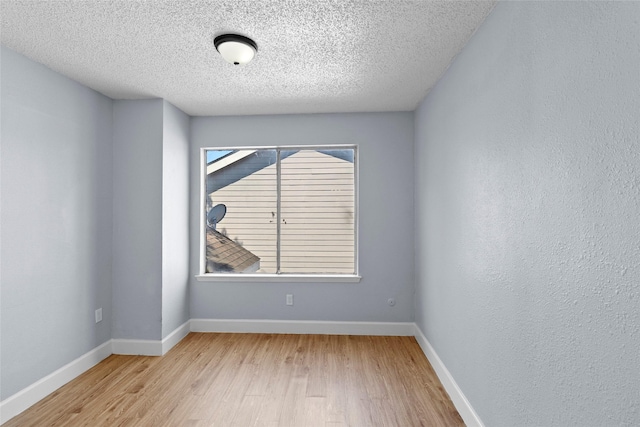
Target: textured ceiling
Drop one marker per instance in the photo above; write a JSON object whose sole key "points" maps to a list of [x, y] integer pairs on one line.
{"points": [[313, 56]]}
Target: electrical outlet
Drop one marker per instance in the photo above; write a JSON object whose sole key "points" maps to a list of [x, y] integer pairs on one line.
{"points": [[289, 299], [99, 315]]}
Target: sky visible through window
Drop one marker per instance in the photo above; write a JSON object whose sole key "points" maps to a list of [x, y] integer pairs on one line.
{"points": [[213, 155]]}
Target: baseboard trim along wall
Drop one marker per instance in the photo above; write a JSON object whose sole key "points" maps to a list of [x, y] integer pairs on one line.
{"points": [[27, 397], [137, 347], [466, 411], [176, 336], [14, 405], [302, 327], [37, 391], [150, 347]]}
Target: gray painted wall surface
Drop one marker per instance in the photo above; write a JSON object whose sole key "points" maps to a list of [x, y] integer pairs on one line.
{"points": [[175, 218], [386, 219], [137, 219], [56, 221], [528, 215]]}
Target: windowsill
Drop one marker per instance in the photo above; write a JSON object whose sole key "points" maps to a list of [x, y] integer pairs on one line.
{"points": [[300, 278]]}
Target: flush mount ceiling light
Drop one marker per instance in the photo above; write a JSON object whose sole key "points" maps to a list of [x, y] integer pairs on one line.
{"points": [[235, 49]]}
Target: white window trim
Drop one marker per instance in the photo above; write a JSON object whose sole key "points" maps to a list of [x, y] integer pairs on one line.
{"points": [[279, 277]]}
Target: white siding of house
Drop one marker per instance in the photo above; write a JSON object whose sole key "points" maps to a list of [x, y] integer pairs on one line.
{"points": [[317, 200], [317, 214]]}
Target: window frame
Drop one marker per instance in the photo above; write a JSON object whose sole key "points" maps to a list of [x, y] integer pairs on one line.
{"points": [[203, 276]]}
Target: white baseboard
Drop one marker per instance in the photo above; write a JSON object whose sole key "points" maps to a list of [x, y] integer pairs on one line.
{"points": [[26, 397], [29, 396], [137, 347], [303, 327], [466, 411], [176, 336], [151, 347]]}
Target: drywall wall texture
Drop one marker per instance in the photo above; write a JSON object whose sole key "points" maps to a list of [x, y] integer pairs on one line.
{"points": [[56, 220], [175, 218], [528, 215], [385, 149], [137, 219]]}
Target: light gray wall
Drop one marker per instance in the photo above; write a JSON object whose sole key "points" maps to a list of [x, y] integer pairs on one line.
{"points": [[385, 143], [150, 219], [175, 219], [56, 220], [528, 215], [137, 219]]}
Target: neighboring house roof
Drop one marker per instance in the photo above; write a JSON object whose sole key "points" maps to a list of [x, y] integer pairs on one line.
{"points": [[226, 256], [228, 160]]}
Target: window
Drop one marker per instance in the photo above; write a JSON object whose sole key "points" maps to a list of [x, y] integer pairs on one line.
{"points": [[279, 211]]}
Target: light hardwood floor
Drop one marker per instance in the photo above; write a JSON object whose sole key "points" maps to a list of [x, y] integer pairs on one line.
{"points": [[256, 380]]}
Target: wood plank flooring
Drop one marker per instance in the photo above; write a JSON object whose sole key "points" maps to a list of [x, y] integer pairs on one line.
{"points": [[256, 380]]}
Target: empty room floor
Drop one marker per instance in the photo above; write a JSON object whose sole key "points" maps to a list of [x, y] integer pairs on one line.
{"points": [[212, 379]]}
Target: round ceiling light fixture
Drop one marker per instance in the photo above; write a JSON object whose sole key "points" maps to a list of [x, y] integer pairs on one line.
{"points": [[235, 49]]}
